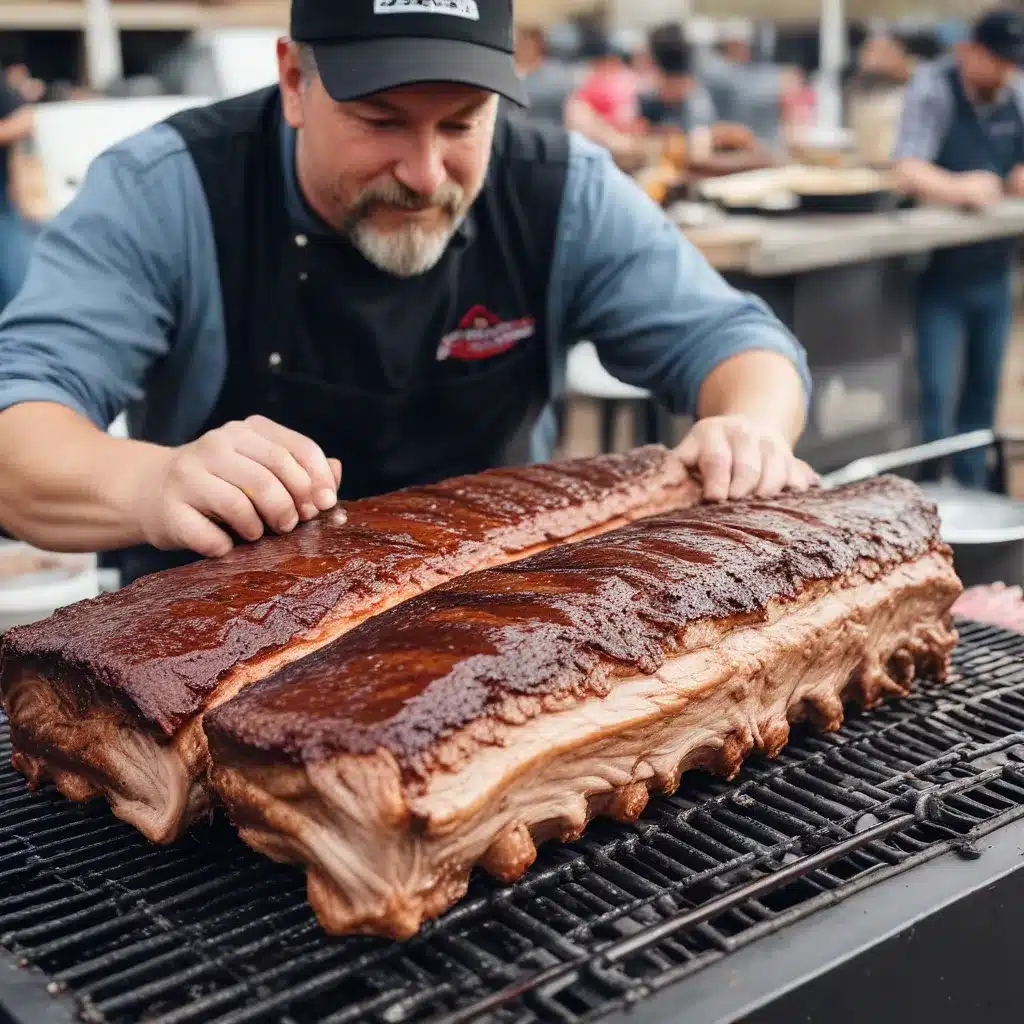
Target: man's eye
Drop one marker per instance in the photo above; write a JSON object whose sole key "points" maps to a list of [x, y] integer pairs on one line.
{"points": [[383, 123], [456, 127]]}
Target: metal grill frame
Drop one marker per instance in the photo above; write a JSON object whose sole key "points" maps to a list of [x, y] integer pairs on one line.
{"points": [[22, 993]]}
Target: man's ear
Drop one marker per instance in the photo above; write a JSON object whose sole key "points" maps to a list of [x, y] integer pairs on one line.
{"points": [[291, 80]]}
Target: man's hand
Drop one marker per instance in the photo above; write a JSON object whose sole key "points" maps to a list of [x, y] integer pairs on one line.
{"points": [[1015, 186], [737, 458], [979, 189], [245, 475]]}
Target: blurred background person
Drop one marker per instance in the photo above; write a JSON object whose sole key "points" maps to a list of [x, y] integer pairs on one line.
{"points": [[610, 89], [748, 91], [876, 91], [606, 106], [16, 125], [961, 142], [678, 101], [548, 82], [642, 64], [875, 94], [31, 89]]}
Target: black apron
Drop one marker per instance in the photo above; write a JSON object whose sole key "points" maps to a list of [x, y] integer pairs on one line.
{"points": [[407, 381], [993, 142]]}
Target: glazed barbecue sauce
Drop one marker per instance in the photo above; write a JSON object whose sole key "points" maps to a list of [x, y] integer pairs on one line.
{"points": [[560, 623], [165, 641]]}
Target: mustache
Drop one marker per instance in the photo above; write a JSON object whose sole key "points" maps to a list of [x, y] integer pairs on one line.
{"points": [[448, 198]]}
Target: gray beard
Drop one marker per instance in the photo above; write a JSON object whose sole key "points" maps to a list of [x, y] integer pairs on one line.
{"points": [[408, 252]]}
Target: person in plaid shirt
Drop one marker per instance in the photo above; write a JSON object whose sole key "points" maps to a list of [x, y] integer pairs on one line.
{"points": [[961, 142]]}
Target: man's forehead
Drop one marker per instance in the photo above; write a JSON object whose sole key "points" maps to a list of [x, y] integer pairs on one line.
{"points": [[430, 99]]}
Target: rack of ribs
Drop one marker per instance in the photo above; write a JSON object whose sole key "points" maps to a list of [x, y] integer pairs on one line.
{"points": [[106, 697], [512, 705]]}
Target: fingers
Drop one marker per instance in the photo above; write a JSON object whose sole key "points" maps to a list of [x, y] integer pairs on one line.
{"points": [[228, 504], [243, 477], [775, 470], [747, 464], [715, 463], [258, 488], [192, 531], [194, 482], [282, 464], [736, 459], [802, 477], [308, 454], [689, 450]]}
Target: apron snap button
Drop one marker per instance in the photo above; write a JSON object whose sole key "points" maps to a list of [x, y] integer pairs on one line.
{"points": [[301, 241], [303, 276], [275, 360]]}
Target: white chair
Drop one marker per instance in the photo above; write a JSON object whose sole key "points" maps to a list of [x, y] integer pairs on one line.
{"points": [[586, 377], [69, 136]]}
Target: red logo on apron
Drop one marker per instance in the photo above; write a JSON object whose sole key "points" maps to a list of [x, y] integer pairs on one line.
{"points": [[481, 335]]}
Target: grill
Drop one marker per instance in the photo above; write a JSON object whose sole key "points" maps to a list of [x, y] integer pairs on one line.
{"points": [[123, 932]]}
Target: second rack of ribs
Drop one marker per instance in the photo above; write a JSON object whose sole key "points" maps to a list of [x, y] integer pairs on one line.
{"points": [[512, 705]]}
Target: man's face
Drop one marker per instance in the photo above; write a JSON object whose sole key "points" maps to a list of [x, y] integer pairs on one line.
{"points": [[983, 71], [738, 51], [529, 48], [395, 173]]}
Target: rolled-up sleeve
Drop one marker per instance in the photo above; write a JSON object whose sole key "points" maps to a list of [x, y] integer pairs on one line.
{"points": [[99, 305], [924, 122], [628, 280]]}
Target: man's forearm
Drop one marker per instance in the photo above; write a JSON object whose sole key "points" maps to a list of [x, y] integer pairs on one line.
{"points": [[702, 143], [64, 483], [763, 386], [17, 126], [928, 182]]}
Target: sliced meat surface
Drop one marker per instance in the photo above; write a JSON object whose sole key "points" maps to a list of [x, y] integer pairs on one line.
{"points": [[512, 705], [106, 696]]}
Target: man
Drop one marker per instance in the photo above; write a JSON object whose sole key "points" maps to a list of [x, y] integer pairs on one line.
{"points": [[362, 264], [961, 142], [16, 125], [747, 91], [605, 108], [610, 89], [548, 82], [875, 94], [678, 102]]}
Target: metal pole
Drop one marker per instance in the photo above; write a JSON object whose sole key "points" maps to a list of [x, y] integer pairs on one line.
{"points": [[833, 58], [102, 45]]}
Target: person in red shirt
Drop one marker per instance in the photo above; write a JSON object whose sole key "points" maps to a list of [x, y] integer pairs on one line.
{"points": [[611, 89], [606, 106]]}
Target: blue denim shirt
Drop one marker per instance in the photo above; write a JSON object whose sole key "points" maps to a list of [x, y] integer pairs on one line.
{"points": [[122, 307]]}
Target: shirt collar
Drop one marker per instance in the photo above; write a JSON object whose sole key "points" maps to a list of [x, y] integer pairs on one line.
{"points": [[306, 220]]}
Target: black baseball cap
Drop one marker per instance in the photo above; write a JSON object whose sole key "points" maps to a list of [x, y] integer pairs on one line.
{"points": [[364, 47], [1001, 32]]}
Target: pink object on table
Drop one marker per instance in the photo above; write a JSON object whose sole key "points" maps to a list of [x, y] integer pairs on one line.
{"points": [[614, 96], [995, 605]]}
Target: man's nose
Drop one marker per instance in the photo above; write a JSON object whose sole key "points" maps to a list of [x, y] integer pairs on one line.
{"points": [[422, 167]]}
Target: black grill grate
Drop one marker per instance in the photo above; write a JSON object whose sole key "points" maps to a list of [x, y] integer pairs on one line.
{"points": [[209, 932]]}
